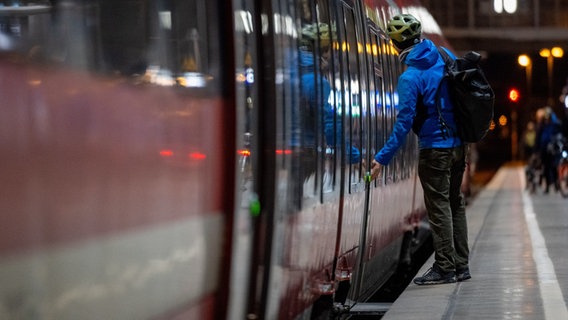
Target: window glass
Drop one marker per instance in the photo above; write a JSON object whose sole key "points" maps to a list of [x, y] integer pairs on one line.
{"points": [[377, 94], [350, 88], [307, 113], [389, 61], [165, 43]]}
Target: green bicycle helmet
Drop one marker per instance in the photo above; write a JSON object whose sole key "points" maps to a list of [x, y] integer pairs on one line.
{"points": [[404, 30], [317, 32]]}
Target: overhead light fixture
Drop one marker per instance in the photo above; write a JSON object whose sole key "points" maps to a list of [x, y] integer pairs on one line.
{"points": [[510, 6]]}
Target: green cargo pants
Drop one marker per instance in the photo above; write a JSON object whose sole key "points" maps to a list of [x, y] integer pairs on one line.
{"points": [[441, 172]]}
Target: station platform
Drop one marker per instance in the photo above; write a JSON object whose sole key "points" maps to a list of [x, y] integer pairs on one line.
{"points": [[518, 259]]}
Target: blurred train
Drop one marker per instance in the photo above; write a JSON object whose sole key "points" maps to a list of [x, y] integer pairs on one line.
{"points": [[158, 160]]}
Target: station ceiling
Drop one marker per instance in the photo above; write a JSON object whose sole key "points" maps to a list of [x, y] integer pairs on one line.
{"points": [[477, 24], [506, 40]]}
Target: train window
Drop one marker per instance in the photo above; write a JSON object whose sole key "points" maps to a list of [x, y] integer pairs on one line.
{"points": [[386, 101], [246, 108], [350, 88], [398, 159], [376, 90], [332, 120], [313, 116], [166, 43], [389, 99]]}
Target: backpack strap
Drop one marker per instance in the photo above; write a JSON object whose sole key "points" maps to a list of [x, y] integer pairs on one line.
{"points": [[445, 55], [447, 60]]}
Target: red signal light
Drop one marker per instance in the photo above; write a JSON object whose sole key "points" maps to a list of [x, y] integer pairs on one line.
{"points": [[514, 95]]}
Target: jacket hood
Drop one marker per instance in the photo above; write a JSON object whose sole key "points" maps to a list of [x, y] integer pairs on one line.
{"points": [[423, 55]]}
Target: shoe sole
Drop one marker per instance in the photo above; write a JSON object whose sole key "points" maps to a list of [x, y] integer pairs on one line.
{"points": [[464, 278], [434, 282]]}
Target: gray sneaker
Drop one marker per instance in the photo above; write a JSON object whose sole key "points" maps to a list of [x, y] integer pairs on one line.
{"points": [[463, 274], [435, 275]]}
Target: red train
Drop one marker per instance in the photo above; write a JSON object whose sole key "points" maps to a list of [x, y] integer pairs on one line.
{"points": [[159, 160]]}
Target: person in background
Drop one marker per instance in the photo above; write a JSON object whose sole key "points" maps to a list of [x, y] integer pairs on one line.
{"points": [[442, 153], [529, 140], [531, 156], [549, 128]]}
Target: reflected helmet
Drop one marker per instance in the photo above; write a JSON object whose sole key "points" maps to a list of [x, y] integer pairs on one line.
{"points": [[404, 30], [312, 32]]}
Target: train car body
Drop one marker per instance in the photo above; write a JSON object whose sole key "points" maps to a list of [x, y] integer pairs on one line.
{"points": [[193, 160]]}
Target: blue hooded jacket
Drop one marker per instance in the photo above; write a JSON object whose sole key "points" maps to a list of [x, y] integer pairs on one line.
{"points": [[420, 81], [547, 131]]}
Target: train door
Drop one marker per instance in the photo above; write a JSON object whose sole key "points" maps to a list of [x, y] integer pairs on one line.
{"points": [[266, 107], [301, 157], [353, 101], [298, 168]]}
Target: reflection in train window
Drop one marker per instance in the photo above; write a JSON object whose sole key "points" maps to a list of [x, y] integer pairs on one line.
{"points": [[164, 42], [350, 89], [390, 101], [377, 94], [312, 117], [389, 67]]}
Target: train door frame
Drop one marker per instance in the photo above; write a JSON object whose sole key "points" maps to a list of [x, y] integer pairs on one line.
{"points": [[266, 162], [246, 193]]}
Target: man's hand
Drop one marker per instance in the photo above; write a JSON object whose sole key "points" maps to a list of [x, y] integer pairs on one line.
{"points": [[375, 169]]}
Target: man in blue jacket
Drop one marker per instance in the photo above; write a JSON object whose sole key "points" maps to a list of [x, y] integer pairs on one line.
{"points": [[442, 153]]}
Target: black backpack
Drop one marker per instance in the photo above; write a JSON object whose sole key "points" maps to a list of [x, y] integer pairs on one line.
{"points": [[471, 94]]}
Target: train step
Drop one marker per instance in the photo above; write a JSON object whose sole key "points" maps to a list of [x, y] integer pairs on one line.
{"points": [[370, 308]]}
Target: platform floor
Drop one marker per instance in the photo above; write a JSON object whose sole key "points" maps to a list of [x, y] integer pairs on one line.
{"points": [[518, 260]]}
